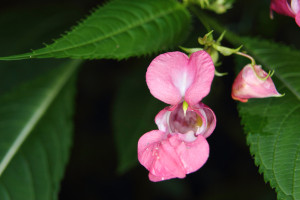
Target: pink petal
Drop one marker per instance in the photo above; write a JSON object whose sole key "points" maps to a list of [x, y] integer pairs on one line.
{"points": [[144, 151], [167, 163], [201, 65], [248, 84], [158, 156], [164, 76], [297, 18], [163, 122], [282, 7], [161, 119], [154, 178], [194, 154], [208, 117], [171, 157]]}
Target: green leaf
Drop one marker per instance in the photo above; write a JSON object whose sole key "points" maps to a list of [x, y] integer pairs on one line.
{"points": [[272, 124], [120, 29], [133, 115], [273, 135], [36, 106], [35, 130]]}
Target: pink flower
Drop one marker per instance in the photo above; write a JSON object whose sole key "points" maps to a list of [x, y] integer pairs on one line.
{"points": [[179, 147], [253, 82], [287, 7]]}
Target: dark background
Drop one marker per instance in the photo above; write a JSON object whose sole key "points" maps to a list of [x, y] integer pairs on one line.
{"points": [[91, 174]]}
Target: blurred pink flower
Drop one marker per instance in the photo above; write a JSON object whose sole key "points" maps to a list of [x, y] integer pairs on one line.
{"points": [[287, 7], [253, 82], [179, 147]]}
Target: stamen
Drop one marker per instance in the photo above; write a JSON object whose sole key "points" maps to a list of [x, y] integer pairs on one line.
{"points": [[185, 106], [199, 121]]}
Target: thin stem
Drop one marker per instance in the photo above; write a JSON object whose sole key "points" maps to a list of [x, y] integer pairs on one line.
{"points": [[246, 56]]}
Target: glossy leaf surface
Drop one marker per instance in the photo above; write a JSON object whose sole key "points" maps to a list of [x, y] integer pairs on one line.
{"points": [[120, 29]]}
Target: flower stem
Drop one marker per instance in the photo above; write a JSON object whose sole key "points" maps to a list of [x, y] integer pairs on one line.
{"points": [[246, 56]]}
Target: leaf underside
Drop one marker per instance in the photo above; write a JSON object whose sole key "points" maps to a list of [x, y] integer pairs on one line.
{"points": [[34, 107], [120, 29], [35, 131]]}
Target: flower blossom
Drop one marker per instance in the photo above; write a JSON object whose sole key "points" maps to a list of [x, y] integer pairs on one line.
{"points": [[287, 7], [179, 146], [253, 82]]}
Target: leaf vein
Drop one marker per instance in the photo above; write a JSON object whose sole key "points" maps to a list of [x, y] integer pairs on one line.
{"points": [[122, 30], [30, 174], [294, 172], [36, 116], [276, 146], [7, 191]]}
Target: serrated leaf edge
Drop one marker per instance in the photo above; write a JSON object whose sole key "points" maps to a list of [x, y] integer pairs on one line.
{"points": [[119, 31]]}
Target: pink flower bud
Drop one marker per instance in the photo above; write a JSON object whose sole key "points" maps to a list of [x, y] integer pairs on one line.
{"points": [[253, 82], [287, 7]]}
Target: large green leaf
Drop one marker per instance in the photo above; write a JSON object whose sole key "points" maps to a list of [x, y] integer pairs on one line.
{"points": [[133, 115], [36, 106], [35, 131], [272, 124], [120, 29]]}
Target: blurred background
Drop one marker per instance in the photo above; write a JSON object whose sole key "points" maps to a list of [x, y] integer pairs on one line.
{"points": [[114, 108]]}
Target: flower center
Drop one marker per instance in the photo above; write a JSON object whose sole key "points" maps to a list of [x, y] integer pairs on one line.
{"points": [[180, 123]]}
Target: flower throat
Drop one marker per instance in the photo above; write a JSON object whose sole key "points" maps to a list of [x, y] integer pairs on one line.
{"points": [[183, 123]]}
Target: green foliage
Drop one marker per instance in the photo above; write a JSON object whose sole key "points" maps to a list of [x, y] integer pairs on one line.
{"points": [[273, 124], [273, 135], [133, 115], [120, 29], [35, 131], [36, 109], [36, 97]]}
